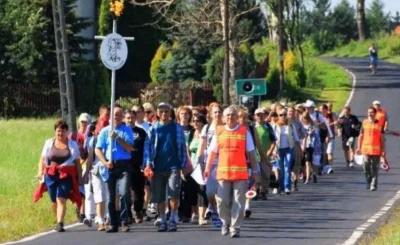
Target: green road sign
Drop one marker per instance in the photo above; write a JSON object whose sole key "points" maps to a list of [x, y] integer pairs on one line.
{"points": [[251, 86]]}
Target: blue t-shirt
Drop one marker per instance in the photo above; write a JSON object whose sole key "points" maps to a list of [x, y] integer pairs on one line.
{"points": [[104, 142], [167, 152]]}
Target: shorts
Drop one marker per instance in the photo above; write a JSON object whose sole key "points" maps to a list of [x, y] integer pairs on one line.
{"points": [[330, 148], [165, 183], [212, 183], [308, 154], [275, 164], [57, 188], [347, 143], [99, 188]]}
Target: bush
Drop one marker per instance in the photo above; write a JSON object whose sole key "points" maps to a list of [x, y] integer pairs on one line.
{"points": [[159, 56]]}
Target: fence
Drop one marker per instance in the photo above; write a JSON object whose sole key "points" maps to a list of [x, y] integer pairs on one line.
{"points": [[17, 100]]}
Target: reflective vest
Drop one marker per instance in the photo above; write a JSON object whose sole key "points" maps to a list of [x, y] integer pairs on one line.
{"points": [[372, 133], [381, 117], [232, 163]]}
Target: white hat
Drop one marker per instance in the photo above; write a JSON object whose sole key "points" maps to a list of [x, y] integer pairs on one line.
{"points": [[84, 117], [259, 111], [309, 103], [163, 104], [376, 102]]}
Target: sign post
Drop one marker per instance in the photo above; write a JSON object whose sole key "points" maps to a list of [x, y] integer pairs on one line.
{"points": [[113, 53], [251, 87]]}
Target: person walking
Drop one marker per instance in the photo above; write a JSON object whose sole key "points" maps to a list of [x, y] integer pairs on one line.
{"points": [[60, 172], [232, 141], [165, 156], [118, 168], [371, 145], [381, 115]]}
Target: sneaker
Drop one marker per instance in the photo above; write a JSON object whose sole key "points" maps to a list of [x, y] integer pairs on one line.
{"points": [[162, 227], [172, 226], [373, 188], [275, 191], [263, 196], [111, 229], [351, 165], [157, 222], [235, 234], [195, 219], [87, 222], [287, 191], [208, 214], [125, 228], [146, 217], [81, 218], [247, 213], [203, 221], [216, 221], [330, 170], [60, 227], [101, 227], [225, 230], [153, 209], [185, 220]]}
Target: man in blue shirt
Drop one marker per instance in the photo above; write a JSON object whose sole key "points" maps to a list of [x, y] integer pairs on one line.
{"points": [[122, 138], [165, 152]]}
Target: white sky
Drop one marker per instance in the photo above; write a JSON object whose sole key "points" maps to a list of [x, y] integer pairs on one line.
{"points": [[390, 5]]}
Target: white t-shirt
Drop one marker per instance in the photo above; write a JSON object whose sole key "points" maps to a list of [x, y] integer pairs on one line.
{"points": [[145, 125], [321, 119], [284, 143], [249, 140], [208, 136]]}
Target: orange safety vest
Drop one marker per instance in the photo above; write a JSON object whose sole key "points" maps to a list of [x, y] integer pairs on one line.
{"points": [[232, 163], [372, 133], [381, 117]]}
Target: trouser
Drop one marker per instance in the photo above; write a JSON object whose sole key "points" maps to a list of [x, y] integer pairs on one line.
{"points": [[137, 181], [231, 201], [371, 168], [297, 159], [119, 177], [265, 175], [285, 164], [90, 209], [188, 197]]}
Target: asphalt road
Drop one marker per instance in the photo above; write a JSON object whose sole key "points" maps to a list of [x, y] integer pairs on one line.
{"points": [[319, 214]]}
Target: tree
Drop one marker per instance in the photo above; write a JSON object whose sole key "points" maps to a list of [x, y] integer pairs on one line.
{"points": [[377, 20], [396, 18], [361, 20], [343, 20]]}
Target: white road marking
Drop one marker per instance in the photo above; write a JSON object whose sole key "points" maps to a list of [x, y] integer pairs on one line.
{"points": [[353, 87], [33, 237]]}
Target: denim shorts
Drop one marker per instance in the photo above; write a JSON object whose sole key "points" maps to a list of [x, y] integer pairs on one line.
{"points": [[58, 188]]}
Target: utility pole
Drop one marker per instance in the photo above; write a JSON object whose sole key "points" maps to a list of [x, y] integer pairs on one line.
{"points": [[226, 74], [281, 57], [67, 100]]}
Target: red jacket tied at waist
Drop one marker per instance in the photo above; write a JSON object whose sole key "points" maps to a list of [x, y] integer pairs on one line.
{"points": [[64, 172]]}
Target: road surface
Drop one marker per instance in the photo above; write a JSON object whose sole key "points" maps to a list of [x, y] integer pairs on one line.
{"points": [[326, 213]]}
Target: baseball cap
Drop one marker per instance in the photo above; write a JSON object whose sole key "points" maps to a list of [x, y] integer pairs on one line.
{"points": [[163, 105], [259, 111], [84, 117], [309, 103], [376, 102]]}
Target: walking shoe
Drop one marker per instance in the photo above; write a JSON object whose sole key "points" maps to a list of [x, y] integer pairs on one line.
{"points": [[315, 178], [125, 227], [88, 222], [287, 191], [172, 226], [153, 209], [208, 214], [138, 218], [157, 222], [203, 221], [373, 188], [60, 227], [247, 213], [101, 227], [162, 227], [263, 196], [185, 220], [81, 218], [112, 229], [351, 165], [235, 234], [216, 221], [195, 219], [225, 230], [275, 191]]}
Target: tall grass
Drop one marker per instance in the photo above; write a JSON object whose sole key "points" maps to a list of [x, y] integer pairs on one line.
{"points": [[21, 144], [388, 48]]}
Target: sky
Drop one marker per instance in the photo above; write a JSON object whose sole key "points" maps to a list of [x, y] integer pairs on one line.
{"points": [[390, 5]]}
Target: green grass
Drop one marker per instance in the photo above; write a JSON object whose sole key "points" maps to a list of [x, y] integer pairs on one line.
{"points": [[388, 234], [21, 144], [388, 48]]}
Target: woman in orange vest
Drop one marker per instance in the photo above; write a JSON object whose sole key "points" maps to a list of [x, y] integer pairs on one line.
{"points": [[371, 145], [231, 142]]}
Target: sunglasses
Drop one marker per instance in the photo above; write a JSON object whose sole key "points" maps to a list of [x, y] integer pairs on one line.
{"points": [[282, 115]]}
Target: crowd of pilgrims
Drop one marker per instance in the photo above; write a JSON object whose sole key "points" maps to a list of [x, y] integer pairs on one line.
{"points": [[294, 144]]}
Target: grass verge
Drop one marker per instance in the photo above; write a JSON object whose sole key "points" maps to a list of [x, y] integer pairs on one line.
{"points": [[388, 234], [388, 49], [21, 144]]}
